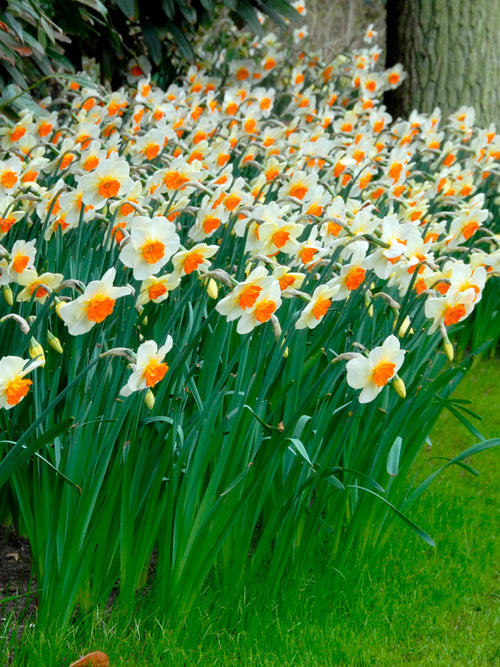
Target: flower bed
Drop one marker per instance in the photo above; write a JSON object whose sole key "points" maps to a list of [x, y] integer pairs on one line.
{"points": [[188, 274]]}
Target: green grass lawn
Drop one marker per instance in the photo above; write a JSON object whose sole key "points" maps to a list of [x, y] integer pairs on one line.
{"points": [[414, 604]]}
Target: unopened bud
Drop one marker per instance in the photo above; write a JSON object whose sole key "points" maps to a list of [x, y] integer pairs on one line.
{"points": [[448, 348], [149, 399], [54, 342], [212, 289], [285, 353], [8, 295], [405, 325], [399, 386], [36, 351], [276, 326], [370, 310]]}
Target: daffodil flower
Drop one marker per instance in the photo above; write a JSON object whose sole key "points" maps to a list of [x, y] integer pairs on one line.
{"points": [[94, 305], [149, 369], [372, 373], [13, 385]]}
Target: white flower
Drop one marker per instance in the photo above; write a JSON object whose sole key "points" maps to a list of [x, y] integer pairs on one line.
{"points": [[152, 243], [94, 305], [372, 373], [149, 367], [13, 386]]}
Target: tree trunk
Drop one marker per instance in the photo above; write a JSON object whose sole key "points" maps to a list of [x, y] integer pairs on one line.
{"points": [[450, 50]]}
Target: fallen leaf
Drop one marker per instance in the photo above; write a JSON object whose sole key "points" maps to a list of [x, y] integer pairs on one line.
{"points": [[94, 659]]}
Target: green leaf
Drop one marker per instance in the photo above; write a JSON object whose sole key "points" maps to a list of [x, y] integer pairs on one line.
{"points": [[188, 12], [59, 473], [247, 13], [393, 457], [182, 42], [208, 5], [130, 8], [300, 449], [153, 43], [421, 533], [99, 7], [169, 8]]}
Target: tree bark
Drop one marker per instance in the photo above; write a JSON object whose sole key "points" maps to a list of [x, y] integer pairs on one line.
{"points": [[450, 50]]}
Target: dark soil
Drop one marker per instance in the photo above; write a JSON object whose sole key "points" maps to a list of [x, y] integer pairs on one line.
{"points": [[17, 585]]}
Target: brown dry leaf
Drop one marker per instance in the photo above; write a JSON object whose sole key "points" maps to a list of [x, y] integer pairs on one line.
{"points": [[94, 659]]}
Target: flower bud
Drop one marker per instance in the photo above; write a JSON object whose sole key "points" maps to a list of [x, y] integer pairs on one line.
{"points": [[399, 386], [54, 342], [448, 348], [8, 295], [212, 289], [36, 351], [149, 399], [405, 325]]}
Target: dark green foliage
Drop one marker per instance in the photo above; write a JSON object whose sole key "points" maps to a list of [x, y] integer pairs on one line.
{"points": [[39, 38]]}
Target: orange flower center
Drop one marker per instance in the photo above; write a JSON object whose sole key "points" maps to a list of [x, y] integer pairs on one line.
{"points": [[469, 229], [157, 290], [152, 151], [18, 133], [249, 296], [66, 161], [320, 308], [38, 291], [395, 171], [20, 262], [286, 281], [108, 187], [174, 180], [8, 179], [315, 209], [264, 309], [307, 254], [454, 314], [44, 128], [192, 261], [91, 163], [354, 278], [153, 251], [210, 224], [154, 372], [231, 202], [383, 372], [16, 390], [99, 307], [6, 223], [250, 125], [298, 190], [280, 238]]}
